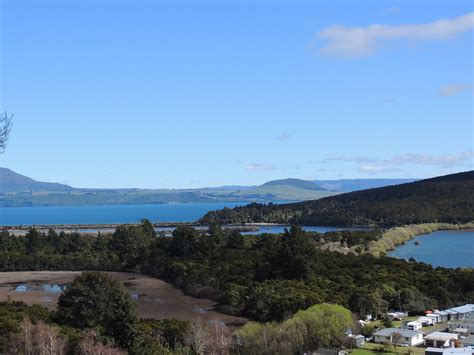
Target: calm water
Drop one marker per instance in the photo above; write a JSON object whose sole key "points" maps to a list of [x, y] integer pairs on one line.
{"points": [[15, 216], [281, 229], [48, 288], [442, 248]]}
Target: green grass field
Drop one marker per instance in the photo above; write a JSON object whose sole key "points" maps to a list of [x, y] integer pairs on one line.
{"points": [[372, 349]]}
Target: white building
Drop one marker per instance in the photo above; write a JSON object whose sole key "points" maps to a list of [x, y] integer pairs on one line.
{"points": [[440, 339], [435, 317], [455, 313], [465, 324], [406, 337], [449, 351]]}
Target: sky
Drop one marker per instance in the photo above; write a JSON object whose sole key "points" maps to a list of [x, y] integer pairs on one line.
{"points": [[183, 94]]}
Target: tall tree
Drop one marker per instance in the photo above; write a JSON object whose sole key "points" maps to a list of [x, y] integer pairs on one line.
{"points": [[94, 299]]}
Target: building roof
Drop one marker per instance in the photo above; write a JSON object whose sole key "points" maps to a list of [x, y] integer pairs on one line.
{"points": [[456, 310], [469, 340], [447, 351], [404, 332], [463, 309], [441, 336], [451, 311]]}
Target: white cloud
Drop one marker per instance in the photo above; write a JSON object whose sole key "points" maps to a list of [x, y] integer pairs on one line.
{"points": [[259, 167], [359, 159], [374, 166], [454, 89], [371, 168], [439, 160], [348, 41]]}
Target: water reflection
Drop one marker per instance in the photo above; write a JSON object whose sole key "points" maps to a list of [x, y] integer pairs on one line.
{"points": [[21, 288], [49, 288]]}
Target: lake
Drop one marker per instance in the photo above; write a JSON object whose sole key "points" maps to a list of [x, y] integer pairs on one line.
{"points": [[189, 212], [441, 248], [186, 212]]}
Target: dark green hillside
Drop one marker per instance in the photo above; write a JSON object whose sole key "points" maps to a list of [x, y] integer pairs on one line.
{"points": [[447, 198]]}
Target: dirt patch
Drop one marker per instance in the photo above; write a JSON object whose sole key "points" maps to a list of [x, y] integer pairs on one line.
{"points": [[155, 298]]}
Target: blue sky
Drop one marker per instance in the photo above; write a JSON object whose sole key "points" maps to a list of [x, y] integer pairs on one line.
{"points": [[190, 94]]}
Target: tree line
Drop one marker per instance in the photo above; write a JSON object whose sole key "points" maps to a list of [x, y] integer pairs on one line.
{"points": [[264, 278]]}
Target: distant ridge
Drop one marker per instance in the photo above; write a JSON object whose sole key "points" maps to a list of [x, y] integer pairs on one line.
{"points": [[302, 184], [17, 190], [447, 199], [14, 182]]}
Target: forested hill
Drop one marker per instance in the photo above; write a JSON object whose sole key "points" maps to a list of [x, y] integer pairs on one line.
{"points": [[447, 198]]}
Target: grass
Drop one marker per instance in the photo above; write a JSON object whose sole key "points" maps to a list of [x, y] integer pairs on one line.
{"points": [[373, 348], [376, 349]]}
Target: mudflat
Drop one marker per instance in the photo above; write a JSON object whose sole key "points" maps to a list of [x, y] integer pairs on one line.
{"points": [[155, 298]]}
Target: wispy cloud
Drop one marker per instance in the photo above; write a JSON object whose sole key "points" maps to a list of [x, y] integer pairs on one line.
{"points": [[454, 89], [374, 165], [348, 41], [439, 160], [258, 167], [359, 159], [373, 169], [283, 137]]}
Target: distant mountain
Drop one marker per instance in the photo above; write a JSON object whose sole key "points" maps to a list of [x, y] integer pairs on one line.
{"points": [[301, 184], [348, 185], [17, 190], [447, 199], [14, 182]]}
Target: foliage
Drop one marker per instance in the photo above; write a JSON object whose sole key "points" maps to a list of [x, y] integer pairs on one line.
{"points": [[322, 325], [399, 235], [326, 324], [95, 300], [11, 316], [448, 199], [37, 338], [265, 278]]}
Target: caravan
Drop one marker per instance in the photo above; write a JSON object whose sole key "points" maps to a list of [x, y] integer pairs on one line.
{"points": [[414, 325], [426, 321]]}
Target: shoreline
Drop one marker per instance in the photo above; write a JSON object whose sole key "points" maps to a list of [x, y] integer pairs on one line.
{"points": [[396, 236], [109, 228], [155, 297]]}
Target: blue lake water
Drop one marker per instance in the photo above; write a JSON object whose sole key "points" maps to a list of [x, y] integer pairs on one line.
{"points": [[319, 229], [189, 212], [442, 248]]}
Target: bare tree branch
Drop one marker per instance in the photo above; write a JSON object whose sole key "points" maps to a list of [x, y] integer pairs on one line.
{"points": [[5, 127]]}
